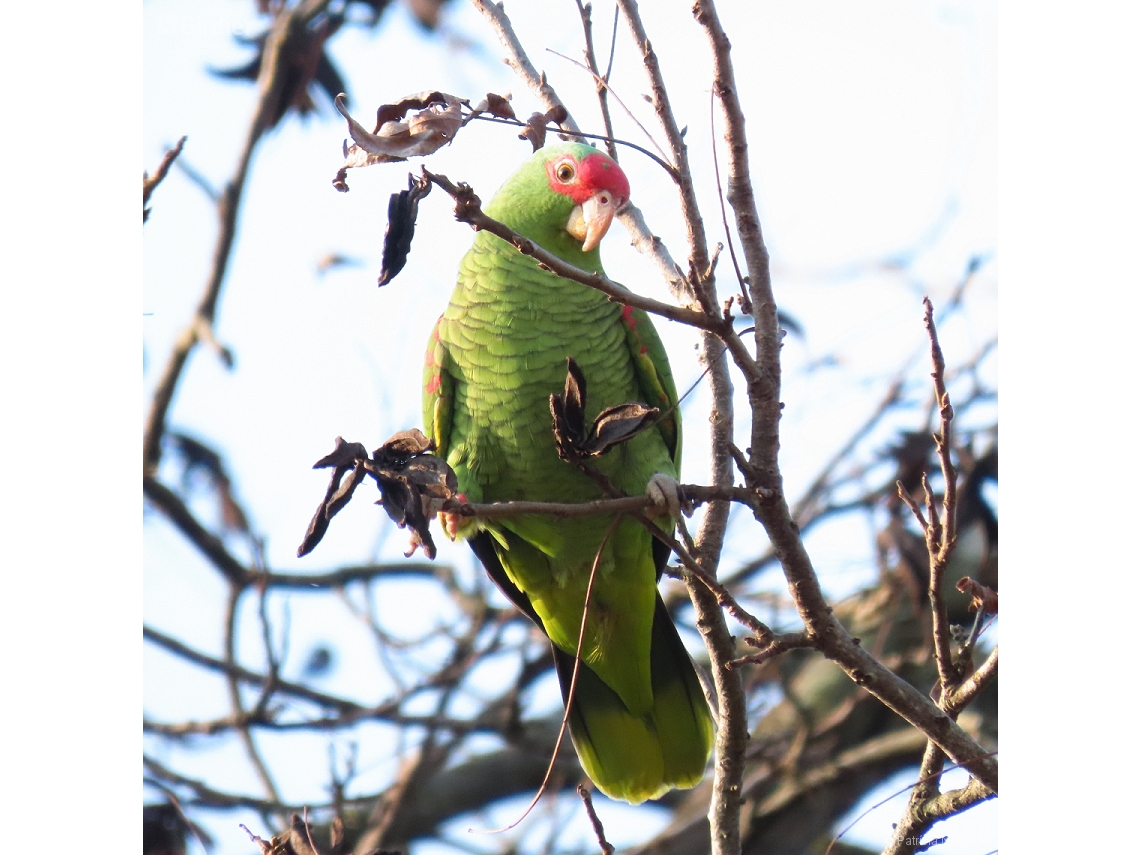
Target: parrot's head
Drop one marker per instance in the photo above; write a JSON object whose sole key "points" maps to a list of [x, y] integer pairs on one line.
{"points": [[563, 198]]}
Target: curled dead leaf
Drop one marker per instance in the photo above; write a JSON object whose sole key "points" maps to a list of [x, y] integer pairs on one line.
{"points": [[980, 596], [536, 125], [616, 425], [496, 105], [408, 478], [402, 446], [435, 118], [346, 457], [569, 412], [613, 426], [402, 210]]}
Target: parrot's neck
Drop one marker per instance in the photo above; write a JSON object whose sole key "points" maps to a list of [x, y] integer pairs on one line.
{"points": [[546, 226]]}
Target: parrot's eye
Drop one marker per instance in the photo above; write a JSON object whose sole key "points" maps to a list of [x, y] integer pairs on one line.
{"points": [[564, 172]]}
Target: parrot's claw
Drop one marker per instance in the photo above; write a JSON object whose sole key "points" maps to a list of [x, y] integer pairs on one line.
{"points": [[665, 493], [453, 523]]}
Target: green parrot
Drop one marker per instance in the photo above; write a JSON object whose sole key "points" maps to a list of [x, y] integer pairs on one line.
{"points": [[639, 718]]}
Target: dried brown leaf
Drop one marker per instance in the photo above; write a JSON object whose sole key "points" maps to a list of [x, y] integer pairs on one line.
{"points": [[569, 413], [535, 131], [574, 398], [345, 453], [500, 105], [496, 105], [436, 118], [347, 456], [536, 125], [395, 112], [613, 426], [300, 840], [409, 479], [401, 446], [980, 596], [617, 425], [402, 210], [432, 476], [556, 115]]}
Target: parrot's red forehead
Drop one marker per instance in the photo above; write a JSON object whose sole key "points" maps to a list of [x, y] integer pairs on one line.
{"points": [[587, 176]]}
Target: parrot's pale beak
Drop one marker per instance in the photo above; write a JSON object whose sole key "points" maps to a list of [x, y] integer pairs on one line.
{"points": [[590, 221]]}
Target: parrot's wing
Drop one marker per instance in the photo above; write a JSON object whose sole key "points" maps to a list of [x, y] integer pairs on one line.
{"points": [[651, 367], [438, 392], [483, 546]]}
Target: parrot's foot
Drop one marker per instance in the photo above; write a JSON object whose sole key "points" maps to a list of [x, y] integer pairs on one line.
{"points": [[665, 493], [454, 523]]}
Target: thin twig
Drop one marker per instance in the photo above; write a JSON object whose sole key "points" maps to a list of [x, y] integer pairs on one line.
{"points": [[703, 287], [604, 86], [743, 202], [316, 582], [198, 180], [208, 544], [499, 120], [152, 181], [601, 83], [518, 60], [940, 538], [230, 650], [622, 505], [573, 680], [308, 830], [692, 571], [978, 794], [599, 832], [745, 300], [772, 647], [913, 505]]}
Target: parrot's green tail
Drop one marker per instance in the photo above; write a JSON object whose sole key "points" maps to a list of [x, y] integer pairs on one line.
{"points": [[635, 758], [630, 757]]}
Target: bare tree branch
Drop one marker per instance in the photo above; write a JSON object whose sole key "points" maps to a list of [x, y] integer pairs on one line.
{"points": [[288, 24], [150, 182], [941, 535]]}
